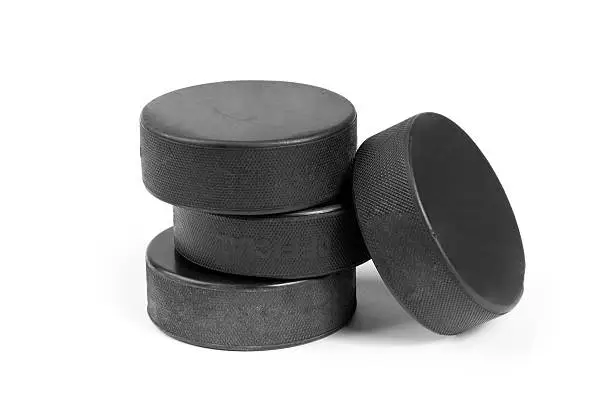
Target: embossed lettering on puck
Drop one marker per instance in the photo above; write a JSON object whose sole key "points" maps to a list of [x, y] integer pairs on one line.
{"points": [[223, 311], [248, 147], [297, 245], [438, 224]]}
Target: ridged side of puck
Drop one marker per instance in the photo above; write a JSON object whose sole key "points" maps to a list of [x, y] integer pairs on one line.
{"points": [[247, 147], [221, 311], [438, 224], [297, 245]]}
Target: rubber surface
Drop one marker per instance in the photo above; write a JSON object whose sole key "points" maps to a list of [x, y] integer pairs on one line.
{"points": [[438, 224], [297, 245], [221, 311], [248, 147]]}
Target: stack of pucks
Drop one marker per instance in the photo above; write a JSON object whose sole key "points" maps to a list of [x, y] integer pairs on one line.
{"points": [[265, 242]]}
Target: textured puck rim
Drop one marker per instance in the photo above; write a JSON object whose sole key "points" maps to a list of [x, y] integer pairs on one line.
{"points": [[406, 195], [270, 347], [300, 245]]}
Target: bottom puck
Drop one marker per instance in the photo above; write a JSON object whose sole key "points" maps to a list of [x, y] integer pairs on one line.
{"points": [[214, 310]]}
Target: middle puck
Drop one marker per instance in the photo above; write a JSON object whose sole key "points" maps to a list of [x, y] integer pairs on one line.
{"points": [[296, 245]]}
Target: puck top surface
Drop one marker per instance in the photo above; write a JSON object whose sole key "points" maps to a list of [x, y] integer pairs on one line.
{"points": [[438, 224], [247, 113]]}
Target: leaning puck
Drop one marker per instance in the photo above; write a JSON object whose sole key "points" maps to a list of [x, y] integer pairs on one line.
{"points": [[214, 310], [296, 245], [247, 147], [438, 224]]}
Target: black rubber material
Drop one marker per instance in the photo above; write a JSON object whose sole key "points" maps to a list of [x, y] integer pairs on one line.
{"points": [[297, 245], [438, 224], [247, 147], [221, 311]]}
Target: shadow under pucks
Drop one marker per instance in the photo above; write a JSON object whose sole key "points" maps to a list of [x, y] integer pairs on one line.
{"points": [[379, 317]]}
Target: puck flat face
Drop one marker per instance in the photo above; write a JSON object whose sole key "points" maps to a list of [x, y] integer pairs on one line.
{"points": [[209, 309], [247, 147], [296, 245], [438, 224]]}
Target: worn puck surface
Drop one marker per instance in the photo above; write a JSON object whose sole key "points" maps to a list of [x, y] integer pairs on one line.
{"points": [[209, 309], [438, 224], [296, 245], [247, 147]]}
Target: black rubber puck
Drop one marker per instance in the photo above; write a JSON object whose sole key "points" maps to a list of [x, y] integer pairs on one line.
{"points": [[222, 311], [438, 224], [296, 245], [247, 147]]}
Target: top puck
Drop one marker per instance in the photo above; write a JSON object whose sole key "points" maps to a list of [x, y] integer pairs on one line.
{"points": [[247, 147], [438, 224]]}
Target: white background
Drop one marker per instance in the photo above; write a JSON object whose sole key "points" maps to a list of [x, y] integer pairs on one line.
{"points": [[529, 81]]}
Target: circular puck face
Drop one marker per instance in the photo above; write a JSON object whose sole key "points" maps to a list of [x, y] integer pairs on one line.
{"points": [[247, 147], [247, 113], [438, 224], [215, 310], [297, 245]]}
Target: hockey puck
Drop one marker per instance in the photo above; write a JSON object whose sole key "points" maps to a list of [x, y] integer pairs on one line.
{"points": [[438, 224], [296, 245], [209, 309], [247, 147]]}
